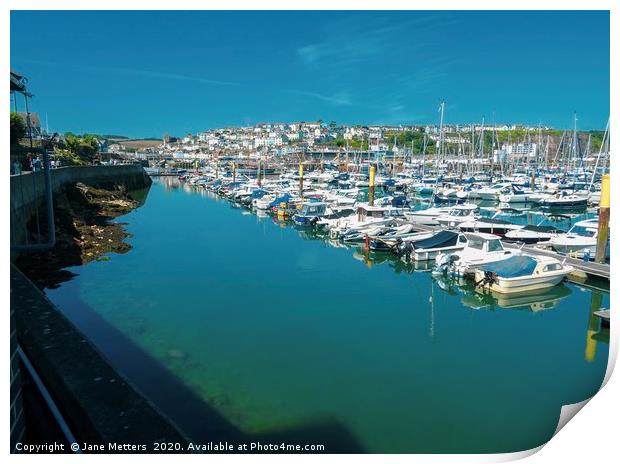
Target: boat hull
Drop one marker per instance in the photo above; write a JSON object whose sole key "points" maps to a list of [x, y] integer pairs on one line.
{"points": [[431, 253]]}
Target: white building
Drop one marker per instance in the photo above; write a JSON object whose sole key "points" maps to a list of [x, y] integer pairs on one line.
{"points": [[521, 149]]}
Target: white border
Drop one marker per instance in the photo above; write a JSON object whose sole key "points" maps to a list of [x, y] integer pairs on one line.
{"points": [[591, 436]]}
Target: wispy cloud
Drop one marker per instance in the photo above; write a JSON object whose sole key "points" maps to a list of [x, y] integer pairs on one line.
{"points": [[351, 41], [133, 72], [162, 75], [339, 99]]}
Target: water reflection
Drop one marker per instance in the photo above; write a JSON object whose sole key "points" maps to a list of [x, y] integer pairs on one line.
{"points": [[536, 300], [598, 327], [275, 327]]}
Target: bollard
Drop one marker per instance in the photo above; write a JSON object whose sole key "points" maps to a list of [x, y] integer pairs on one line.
{"points": [[603, 221], [371, 186]]}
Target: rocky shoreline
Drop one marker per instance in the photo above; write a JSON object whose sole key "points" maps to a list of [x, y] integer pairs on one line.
{"points": [[84, 232]]}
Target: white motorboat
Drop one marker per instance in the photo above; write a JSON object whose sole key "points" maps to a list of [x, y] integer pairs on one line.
{"points": [[263, 202], [427, 249], [458, 214], [565, 200], [367, 216], [521, 195], [488, 226], [533, 234], [579, 240], [426, 217], [479, 250], [521, 274], [493, 192]]}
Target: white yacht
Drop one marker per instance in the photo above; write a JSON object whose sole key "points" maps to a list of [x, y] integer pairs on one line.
{"points": [[521, 274], [480, 249], [427, 217], [580, 239], [493, 192], [458, 214], [533, 234]]}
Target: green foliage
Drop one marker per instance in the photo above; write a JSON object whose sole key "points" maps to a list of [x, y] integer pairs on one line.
{"points": [[409, 139], [596, 140], [341, 142], [68, 158], [18, 129], [84, 148]]}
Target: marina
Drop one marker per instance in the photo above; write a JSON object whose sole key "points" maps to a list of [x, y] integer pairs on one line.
{"points": [[305, 231], [287, 372]]}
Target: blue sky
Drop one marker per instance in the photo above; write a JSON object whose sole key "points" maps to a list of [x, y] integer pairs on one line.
{"points": [[144, 73]]}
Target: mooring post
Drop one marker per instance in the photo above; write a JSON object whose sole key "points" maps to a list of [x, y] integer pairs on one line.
{"points": [[603, 221], [371, 186], [593, 325], [301, 180]]}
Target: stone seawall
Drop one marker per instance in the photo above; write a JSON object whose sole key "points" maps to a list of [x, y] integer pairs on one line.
{"points": [[28, 190]]}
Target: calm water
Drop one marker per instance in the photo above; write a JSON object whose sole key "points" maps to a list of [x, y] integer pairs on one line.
{"points": [[228, 321]]}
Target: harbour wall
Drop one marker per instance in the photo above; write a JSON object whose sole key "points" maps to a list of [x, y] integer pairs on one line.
{"points": [[28, 189], [29, 305]]}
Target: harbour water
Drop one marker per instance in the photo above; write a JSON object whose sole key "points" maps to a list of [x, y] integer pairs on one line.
{"points": [[217, 312]]}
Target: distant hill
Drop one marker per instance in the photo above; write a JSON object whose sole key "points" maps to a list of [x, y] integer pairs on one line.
{"points": [[114, 137], [139, 143]]}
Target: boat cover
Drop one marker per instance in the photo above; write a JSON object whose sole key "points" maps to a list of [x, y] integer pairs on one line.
{"points": [[442, 239], [283, 199], [542, 229], [492, 221], [515, 266], [259, 193]]}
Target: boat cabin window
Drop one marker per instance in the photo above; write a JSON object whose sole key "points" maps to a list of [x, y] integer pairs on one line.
{"points": [[552, 267], [313, 209], [460, 212], [583, 231], [462, 239], [495, 245], [475, 243]]}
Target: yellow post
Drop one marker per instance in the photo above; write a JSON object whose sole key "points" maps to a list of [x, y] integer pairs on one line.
{"points": [[593, 325], [371, 185], [603, 221], [301, 180]]}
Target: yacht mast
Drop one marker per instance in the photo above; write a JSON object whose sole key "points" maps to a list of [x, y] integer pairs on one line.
{"points": [[441, 153]]}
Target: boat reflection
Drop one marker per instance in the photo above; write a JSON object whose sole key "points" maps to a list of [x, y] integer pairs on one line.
{"points": [[479, 298], [397, 264], [598, 326]]}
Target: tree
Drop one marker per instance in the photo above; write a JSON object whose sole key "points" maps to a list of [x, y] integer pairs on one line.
{"points": [[84, 147], [18, 129]]}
